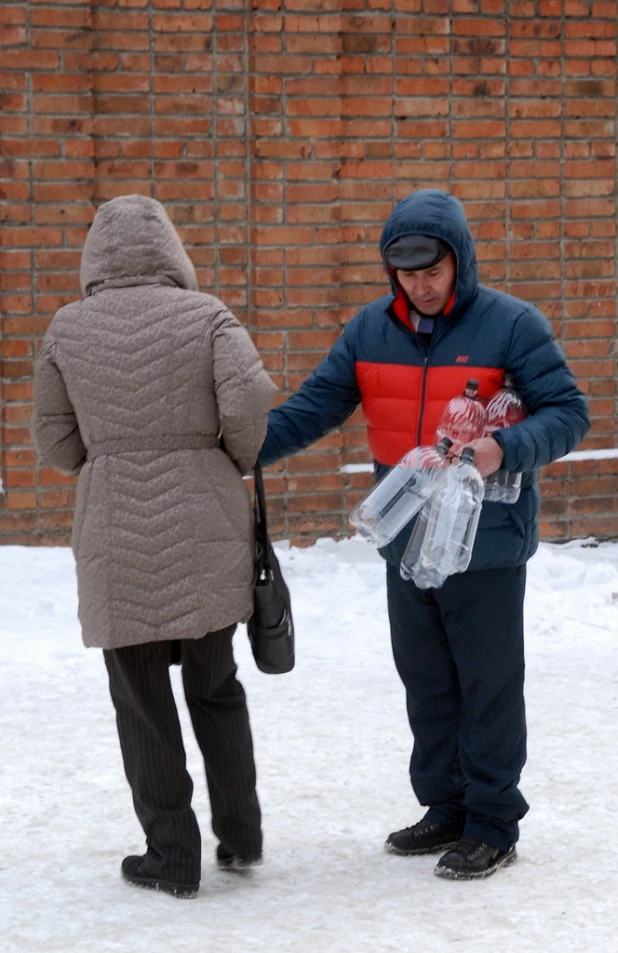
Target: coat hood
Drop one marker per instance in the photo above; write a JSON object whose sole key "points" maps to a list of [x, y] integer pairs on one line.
{"points": [[433, 212], [131, 242]]}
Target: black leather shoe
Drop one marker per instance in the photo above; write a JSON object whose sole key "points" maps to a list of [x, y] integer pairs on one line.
{"points": [[472, 859], [132, 872], [228, 860], [426, 837]]}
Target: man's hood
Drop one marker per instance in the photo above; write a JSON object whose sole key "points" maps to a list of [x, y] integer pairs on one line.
{"points": [[131, 242], [433, 212]]}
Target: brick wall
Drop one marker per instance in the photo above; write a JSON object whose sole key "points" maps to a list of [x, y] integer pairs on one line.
{"points": [[279, 134]]}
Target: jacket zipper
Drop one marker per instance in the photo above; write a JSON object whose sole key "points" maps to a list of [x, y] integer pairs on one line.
{"points": [[422, 407], [428, 351]]}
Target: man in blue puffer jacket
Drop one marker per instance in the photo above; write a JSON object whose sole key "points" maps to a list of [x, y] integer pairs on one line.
{"points": [[458, 649]]}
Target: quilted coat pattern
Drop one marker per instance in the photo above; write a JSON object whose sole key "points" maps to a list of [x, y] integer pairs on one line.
{"points": [[134, 388]]}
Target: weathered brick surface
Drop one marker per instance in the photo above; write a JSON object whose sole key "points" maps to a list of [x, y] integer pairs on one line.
{"points": [[279, 134]]}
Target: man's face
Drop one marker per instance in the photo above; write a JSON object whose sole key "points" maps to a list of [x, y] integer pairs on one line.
{"points": [[429, 289]]}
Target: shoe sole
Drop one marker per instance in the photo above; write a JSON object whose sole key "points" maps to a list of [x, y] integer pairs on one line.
{"points": [[238, 867], [188, 892], [419, 851], [449, 873]]}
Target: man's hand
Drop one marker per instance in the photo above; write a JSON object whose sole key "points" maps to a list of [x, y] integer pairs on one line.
{"points": [[488, 454]]}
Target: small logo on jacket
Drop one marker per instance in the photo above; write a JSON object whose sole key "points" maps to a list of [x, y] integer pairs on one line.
{"points": [[462, 359]]}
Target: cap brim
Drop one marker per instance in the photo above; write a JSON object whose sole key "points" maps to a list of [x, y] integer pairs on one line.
{"points": [[417, 262], [415, 252]]}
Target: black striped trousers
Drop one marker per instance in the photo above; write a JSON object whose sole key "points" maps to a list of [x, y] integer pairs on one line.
{"points": [[154, 755]]}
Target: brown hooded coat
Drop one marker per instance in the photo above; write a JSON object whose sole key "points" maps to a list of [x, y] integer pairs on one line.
{"points": [[134, 386]]}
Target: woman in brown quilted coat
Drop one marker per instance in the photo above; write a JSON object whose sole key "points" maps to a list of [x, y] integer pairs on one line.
{"points": [[135, 387]]}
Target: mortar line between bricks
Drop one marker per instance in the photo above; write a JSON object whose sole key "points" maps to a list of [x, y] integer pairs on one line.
{"points": [[33, 269], [615, 355], [562, 170], [568, 514], [394, 120], [451, 120], [285, 368], [215, 152], [151, 98], [341, 452], [248, 161], [94, 112], [3, 499]]}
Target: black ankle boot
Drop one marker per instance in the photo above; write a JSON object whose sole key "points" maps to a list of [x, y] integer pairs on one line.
{"points": [[228, 860], [133, 872], [426, 837], [472, 859]]}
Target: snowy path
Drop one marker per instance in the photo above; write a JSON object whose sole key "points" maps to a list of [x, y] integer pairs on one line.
{"points": [[332, 748]]}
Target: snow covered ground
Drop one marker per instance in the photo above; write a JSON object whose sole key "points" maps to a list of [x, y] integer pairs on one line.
{"points": [[332, 748]]}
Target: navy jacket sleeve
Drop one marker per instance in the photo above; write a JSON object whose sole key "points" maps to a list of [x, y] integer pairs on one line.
{"points": [[558, 409], [324, 401]]}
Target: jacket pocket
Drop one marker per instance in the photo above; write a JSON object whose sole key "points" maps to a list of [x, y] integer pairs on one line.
{"points": [[501, 538], [81, 504], [515, 519]]}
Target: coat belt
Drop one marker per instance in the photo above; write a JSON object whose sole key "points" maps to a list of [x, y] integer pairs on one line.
{"points": [[162, 444]]}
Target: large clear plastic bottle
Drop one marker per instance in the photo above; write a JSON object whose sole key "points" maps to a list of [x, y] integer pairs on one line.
{"points": [[442, 544], [504, 410], [463, 418], [426, 578], [398, 496]]}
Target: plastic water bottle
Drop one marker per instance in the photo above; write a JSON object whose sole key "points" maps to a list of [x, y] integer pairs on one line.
{"points": [[398, 496], [463, 419], [425, 578], [504, 410], [449, 529]]}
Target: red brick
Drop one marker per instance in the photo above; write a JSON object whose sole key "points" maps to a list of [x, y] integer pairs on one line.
{"points": [[601, 527]]}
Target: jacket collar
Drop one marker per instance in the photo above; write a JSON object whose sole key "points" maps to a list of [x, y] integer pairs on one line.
{"points": [[130, 282]]}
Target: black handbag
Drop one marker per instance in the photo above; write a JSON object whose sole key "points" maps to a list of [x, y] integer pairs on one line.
{"points": [[270, 628]]}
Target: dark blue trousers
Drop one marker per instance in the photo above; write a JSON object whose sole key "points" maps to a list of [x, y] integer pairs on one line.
{"points": [[459, 652]]}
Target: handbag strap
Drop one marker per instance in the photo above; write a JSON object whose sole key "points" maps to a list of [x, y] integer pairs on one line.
{"points": [[261, 520]]}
